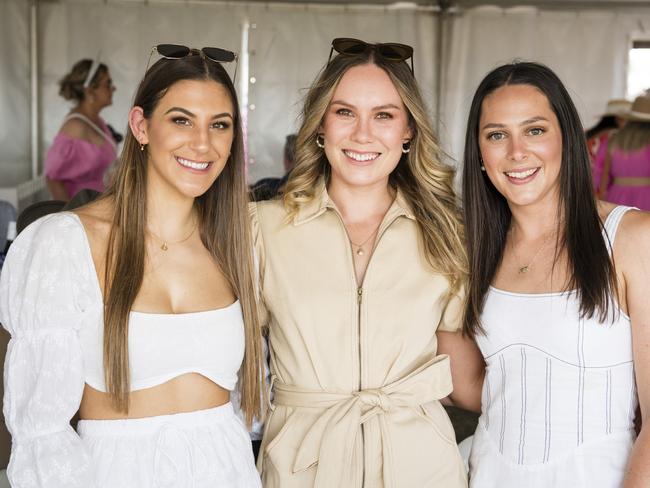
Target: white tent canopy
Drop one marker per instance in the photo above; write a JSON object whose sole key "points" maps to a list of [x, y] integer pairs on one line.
{"points": [[455, 43]]}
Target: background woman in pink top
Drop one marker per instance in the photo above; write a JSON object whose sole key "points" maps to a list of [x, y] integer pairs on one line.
{"points": [[84, 147], [625, 160]]}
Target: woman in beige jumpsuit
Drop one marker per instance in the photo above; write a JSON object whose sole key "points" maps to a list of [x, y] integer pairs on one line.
{"points": [[361, 275]]}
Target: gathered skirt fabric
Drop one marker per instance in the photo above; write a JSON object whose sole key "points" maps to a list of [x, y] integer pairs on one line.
{"points": [[599, 463], [203, 449]]}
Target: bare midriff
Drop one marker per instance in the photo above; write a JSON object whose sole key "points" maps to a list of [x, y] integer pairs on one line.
{"points": [[632, 181], [186, 393]]}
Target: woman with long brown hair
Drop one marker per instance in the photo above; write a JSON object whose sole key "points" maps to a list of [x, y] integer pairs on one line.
{"points": [[362, 270], [557, 296], [138, 309]]}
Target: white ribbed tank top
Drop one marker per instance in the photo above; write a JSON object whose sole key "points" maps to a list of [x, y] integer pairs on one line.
{"points": [[554, 381]]}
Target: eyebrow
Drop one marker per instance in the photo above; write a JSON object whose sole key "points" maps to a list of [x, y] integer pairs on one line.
{"points": [[380, 107], [532, 120], [190, 114]]}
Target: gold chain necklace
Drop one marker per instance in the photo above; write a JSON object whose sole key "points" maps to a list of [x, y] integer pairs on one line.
{"points": [[526, 267], [360, 251], [165, 244]]}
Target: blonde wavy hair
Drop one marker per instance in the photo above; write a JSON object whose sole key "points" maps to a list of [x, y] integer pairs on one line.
{"points": [[421, 176], [634, 135]]}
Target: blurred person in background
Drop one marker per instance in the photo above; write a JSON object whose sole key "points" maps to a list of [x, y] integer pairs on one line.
{"points": [[268, 188], [609, 123], [85, 145], [625, 160]]}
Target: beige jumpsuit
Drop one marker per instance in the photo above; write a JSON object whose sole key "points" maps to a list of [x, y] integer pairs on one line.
{"points": [[356, 376]]}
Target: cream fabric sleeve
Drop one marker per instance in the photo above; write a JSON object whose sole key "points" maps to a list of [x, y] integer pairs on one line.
{"points": [[41, 308], [452, 316]]}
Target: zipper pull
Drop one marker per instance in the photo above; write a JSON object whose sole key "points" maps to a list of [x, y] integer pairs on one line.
{"points": [[359, 294]]}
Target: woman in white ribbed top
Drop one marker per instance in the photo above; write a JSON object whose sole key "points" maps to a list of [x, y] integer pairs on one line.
{"points": [[557, 299]]}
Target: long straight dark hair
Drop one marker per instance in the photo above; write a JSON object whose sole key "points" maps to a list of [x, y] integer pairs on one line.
{"points": [[223, 223], [487, 215]]}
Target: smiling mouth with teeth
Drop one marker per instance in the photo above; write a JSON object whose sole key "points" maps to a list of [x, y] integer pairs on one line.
{"points": [[361, 157], [520, 175], [193, 164]]}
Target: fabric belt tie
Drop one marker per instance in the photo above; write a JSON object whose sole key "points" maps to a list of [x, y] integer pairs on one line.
{"points": [[330, 441]]}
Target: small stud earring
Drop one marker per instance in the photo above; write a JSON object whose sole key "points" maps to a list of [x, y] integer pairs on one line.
{"points": [[320, 141], [141, 147], [482, 168]]}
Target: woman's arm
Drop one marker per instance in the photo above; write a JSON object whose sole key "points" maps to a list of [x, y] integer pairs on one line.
{"points": [[43, 376], [467, 369], [57, 190], [633, 257]]}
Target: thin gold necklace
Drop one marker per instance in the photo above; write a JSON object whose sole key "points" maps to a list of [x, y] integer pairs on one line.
{"points": [[165, 243], [360, 251], [526, 267]]}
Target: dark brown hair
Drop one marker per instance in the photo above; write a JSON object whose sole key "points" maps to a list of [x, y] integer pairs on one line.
{"points": [[487, 215]]}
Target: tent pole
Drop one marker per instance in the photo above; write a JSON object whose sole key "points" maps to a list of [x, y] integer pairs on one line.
{"points": [[34, 100]]}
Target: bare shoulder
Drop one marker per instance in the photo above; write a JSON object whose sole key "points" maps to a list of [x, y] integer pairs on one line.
{"points": [[604, 209], [75, 128], [96, 218], [634, 230], [632, 246]]}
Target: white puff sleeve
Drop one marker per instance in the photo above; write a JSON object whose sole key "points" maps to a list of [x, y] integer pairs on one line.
{"points": [[44, 290]]}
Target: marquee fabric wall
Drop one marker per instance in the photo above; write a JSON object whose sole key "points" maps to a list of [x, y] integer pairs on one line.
{"points": [[288, 44], [587, 49]]}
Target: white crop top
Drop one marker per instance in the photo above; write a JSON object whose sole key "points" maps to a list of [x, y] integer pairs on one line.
{"points": [[49, 284], [164, 346]]}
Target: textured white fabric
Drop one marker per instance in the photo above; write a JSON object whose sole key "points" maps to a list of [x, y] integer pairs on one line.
{"points": [[164, 346], [49, 300], [559, 395], [203, 449]]}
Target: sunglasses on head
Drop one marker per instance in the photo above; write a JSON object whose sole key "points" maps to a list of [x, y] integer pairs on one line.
{"points": [[176, 51], [389, 51]]}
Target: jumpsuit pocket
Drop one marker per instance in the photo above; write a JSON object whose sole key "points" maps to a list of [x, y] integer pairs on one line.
{"points": [[436, 415]]}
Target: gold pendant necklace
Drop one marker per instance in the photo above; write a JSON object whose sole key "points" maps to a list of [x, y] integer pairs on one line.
{"points": [[360, 251], [523, 269], [165, 244]]}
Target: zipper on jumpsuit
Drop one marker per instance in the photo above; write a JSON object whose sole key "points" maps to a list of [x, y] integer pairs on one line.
{"points": [[359, 301]]}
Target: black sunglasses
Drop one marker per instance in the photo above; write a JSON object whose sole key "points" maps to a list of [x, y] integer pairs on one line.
{"points": [[176, 51], [390, 51]]}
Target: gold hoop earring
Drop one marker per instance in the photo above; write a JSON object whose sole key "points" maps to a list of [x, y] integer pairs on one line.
{"points": [[320, 141]]}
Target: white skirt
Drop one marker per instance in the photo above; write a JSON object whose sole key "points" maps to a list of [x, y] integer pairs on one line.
{"points": [[204, 449]]}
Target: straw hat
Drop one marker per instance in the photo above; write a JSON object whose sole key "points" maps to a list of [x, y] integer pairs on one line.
{"points": [[617, 106], [640, 110]]}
